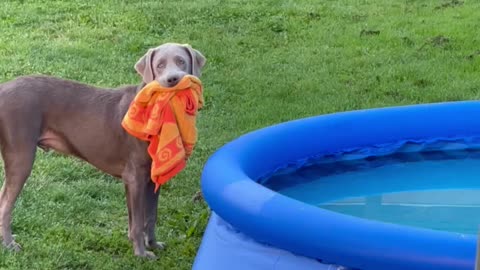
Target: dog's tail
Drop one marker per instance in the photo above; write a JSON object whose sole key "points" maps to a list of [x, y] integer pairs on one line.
{"points": [[3, 101]]}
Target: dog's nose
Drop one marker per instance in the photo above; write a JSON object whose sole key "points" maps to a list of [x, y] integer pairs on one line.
{"points": [[173, 80]]}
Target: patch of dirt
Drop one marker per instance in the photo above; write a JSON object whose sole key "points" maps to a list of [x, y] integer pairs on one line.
{"points": [[408, 41], [198, 197], [359, 18], [473, 55], [369, 33], [451, 4], [438, 41], [314, 15], [421, 83]]}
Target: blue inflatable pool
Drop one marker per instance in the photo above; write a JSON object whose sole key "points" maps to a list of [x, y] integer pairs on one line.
{"points": [[254, 227]]}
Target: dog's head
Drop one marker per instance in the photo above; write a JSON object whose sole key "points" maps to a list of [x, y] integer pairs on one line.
{"points": [[168, 63]]}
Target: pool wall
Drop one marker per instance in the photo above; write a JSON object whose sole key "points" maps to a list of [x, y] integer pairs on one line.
{"points": [[223, 247], [230, 188]]}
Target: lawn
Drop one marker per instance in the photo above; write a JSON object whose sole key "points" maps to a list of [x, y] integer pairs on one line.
{"points": [[268, 62]]}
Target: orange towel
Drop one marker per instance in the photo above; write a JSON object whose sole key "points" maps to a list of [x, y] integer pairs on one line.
{"points": [[166, 118]]}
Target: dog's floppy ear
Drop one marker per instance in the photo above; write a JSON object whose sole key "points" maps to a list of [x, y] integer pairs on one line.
{"points": [[198, 60], [144, 66]]}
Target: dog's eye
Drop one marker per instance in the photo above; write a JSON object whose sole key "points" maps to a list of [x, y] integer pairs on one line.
{"points": [[180, 61], [161, 66]]}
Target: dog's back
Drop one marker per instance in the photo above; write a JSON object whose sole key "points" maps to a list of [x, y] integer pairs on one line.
{"points": [[66, 116]]}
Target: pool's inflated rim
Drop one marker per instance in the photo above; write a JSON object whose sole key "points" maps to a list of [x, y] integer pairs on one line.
{"points": [[230, 190]]}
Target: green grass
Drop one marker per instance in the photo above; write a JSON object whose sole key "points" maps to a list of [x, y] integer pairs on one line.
{"points": [[268, 61]]}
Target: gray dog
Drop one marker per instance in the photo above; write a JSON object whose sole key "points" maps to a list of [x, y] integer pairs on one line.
{"points": [[84, 121]]}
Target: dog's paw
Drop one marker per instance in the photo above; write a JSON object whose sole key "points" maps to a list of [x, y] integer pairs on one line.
{"points": [[13, 246], [150, 255], [155, 245], [147, 255]]}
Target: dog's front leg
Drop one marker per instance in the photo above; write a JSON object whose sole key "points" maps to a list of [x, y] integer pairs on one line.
{"points": [[151, 216], [129, 211], [134, 179]]}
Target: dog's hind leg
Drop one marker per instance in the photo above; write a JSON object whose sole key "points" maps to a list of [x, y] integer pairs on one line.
{"points": [[18, 165], [19, 135]]}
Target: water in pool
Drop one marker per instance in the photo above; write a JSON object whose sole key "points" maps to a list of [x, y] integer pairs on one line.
{"points": [[438, 191]]}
